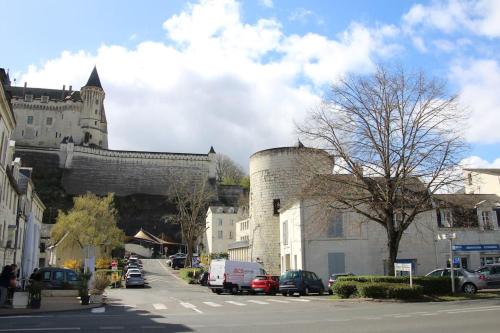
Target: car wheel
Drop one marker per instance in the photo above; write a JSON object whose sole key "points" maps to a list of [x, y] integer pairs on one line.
{"points": [[321, 291], [305, 292], [234, 290], [284, 293], [330, 292], [469, 288], [290, 293], [218, 291]]}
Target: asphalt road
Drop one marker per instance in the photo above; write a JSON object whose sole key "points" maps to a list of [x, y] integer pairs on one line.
{"points": [[170, 305]]}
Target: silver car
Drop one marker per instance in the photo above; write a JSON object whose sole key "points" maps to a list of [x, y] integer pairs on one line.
{"points": [[469, 282], [134, 280], [490, 274]]}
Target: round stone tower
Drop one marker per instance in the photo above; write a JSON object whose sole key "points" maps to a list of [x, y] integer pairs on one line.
{"points": [[277, 177]]}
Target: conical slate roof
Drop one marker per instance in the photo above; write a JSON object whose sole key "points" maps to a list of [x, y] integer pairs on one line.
{"points": [[94, 80]]}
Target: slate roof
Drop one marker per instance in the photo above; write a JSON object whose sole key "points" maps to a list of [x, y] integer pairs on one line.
{"points": [[54, 94], [468, 200], [94, 80]]}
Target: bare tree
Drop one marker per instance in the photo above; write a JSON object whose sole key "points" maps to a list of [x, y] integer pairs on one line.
{"points": [[228, 172], [192, 200], [396, 139]]}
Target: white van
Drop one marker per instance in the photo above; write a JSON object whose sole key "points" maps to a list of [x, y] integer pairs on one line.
{"points": [[232, 276]]}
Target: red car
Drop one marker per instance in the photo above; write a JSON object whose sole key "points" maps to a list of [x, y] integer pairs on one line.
{"points": [[268, 284]]}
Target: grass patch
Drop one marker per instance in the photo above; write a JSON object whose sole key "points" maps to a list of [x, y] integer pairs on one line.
{"points": [[465, 297], [190, 275]]}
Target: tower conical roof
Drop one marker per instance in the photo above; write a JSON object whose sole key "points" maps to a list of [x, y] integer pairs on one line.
{"points": [[94, 80]]}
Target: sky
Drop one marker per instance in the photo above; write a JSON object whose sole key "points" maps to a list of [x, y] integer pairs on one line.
{"points": [[239, 75]]}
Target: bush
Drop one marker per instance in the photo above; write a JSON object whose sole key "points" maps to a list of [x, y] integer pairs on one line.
{"points": [[431, 285], [344, 289], [191, 275], [101, 282], [72, 264], [373, 289], [403, 291], [103, 263]]}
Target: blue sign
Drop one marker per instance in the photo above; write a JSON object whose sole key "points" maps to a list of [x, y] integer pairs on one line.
{"points": [[477, 247], [456, 260]]}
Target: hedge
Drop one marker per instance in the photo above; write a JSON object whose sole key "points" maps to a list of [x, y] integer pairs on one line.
{"points": [[431, 285], [191, 275], [345, 289]]}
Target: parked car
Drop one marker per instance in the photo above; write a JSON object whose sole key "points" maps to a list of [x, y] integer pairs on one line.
{"points": [[178, 262], [491, 275], [267, 284], [333, 278], [302, 282], [59, 278], [232, 276], [468, 281], [173, 256], [134, 280], [132, 271]]}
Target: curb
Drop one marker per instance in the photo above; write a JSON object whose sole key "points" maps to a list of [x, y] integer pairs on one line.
{"points": [[31, 312]]}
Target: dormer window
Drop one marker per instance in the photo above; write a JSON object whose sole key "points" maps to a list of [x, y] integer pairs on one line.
{"points": [[28, 98], [45, 99]]}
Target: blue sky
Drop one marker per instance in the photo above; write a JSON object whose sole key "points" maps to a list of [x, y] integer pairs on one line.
{"points": [[182, 76]]}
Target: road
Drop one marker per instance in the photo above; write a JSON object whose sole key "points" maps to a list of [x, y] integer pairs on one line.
{"points": [[170, 305]]}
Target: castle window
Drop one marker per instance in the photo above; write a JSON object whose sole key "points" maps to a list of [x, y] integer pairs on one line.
{"points": [[276, 206], [49, 121], [96, 103], [95, 122], [28, 98], [45, 99], [95, 111], [29, 120]]}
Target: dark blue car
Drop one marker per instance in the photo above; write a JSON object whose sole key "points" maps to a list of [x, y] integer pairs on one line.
{"points": [[302, 282]]}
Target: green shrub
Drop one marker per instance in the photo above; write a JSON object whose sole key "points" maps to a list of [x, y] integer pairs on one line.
{"points": [[190, 274], [373, 289], [344, 289], [431, 285], [404, 291]]}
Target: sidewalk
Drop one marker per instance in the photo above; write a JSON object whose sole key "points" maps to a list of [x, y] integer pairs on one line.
{"points": [[50, 304]]}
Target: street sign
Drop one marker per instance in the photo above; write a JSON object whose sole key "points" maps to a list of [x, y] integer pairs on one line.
{"points": [[114, 265], [403, 267]]}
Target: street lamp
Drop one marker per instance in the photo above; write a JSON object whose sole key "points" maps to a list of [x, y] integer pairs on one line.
{"points": [[450, 236]]}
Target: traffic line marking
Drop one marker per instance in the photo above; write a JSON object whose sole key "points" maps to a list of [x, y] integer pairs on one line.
{"points": [[257, 302], [476, 310], [40, 329], [159, 306], [101, 309], [190, 306], [235, 303], [111, 327], [300, 300], [215, 305], [277, 300], [468, 309]]}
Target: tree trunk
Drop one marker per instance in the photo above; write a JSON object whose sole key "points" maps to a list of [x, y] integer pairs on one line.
{"points": [[189, 253], [392, 247]]}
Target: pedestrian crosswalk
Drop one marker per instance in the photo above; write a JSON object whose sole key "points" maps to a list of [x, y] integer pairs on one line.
{"points": [[174, 304]]}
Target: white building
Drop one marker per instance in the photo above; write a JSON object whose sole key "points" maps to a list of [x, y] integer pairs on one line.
{"points": [[240, 250], [8, 177], [482, 181], [326, 242], [220, 228]]}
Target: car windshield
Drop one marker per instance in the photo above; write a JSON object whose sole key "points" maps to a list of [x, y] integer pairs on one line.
{"points": [[136, 275], [289, 275]]}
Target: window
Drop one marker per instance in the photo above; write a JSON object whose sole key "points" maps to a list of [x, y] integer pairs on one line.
{"points": [[469, 178], [276, 206], [44, 99], [59, 275], [336, 225], [29, 120], [285, 233], [95, 111], [486, 218], [220, 234], [71, 276], [230, 235], [49, 121], [28, 98], [220, 222], [446, 218], [46, 276]]}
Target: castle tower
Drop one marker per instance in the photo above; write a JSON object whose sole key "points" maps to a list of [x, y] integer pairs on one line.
{"points": [[93, 117], [277, 176]]}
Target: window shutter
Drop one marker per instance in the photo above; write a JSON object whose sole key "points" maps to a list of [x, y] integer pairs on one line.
{"points": [[438, 215]]}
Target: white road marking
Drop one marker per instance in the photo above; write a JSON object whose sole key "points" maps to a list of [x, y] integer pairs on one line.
{"points": [[190, 306], [111, 327], [476, 310], [215, 305], [300, 300], [235, 303], [257, 302], [430, 314], [170, 273], [23, 316], [102, 309], [402, 316], [277, 300], [159, 306], [40, 329], [468, 309]]}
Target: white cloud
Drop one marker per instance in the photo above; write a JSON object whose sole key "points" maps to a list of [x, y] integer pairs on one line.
{"points": [[216, 81], [479, 17], [478, 162], [266, 3], [300, 14], [478, 81]]}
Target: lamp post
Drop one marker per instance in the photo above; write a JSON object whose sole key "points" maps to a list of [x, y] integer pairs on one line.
{"points": [[450, 236]]}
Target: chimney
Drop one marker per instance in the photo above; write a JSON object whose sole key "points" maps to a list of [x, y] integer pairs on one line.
{"points": [[64, 87], [63, 91], [24, 89], [70, 88]]}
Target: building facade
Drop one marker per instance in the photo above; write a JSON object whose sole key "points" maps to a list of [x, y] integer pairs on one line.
{"points": [[240, 250], [277, 177], [46, 116], [482, 181], [220, 228]]}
